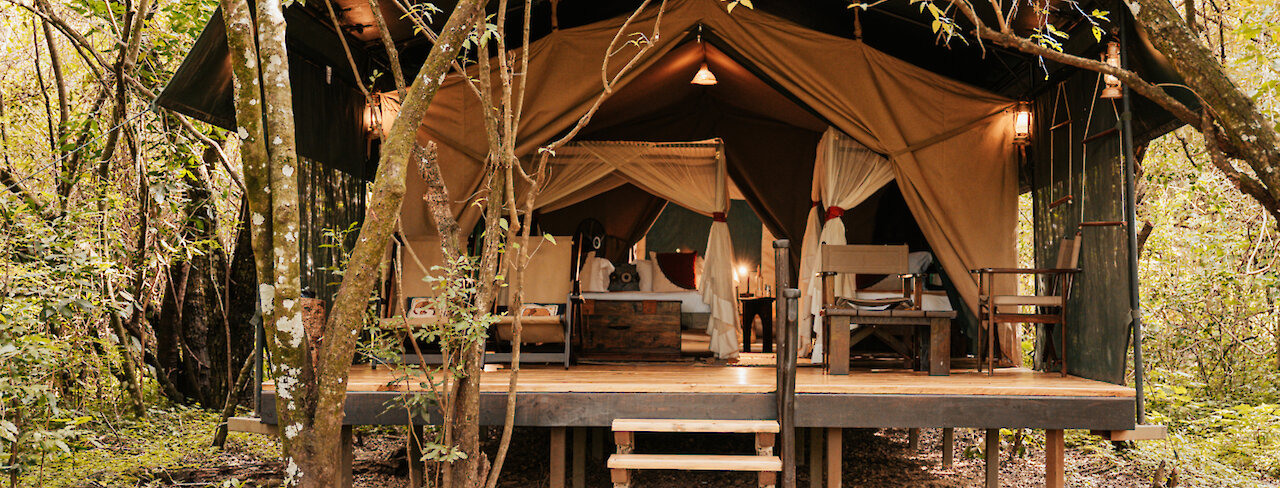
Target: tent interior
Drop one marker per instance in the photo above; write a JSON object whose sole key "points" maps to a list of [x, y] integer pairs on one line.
{"points": [[787, 73]]}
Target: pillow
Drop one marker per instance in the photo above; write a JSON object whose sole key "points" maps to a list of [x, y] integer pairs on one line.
{"points": [[624, 278], [540, 310], [697, 272], [673, 269], [421, 307], [644, 268], [594, 275]]}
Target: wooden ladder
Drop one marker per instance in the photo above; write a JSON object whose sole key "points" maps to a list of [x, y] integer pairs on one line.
{"points": [[763, 462]]}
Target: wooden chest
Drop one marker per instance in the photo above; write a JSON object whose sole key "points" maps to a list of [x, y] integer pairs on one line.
{"points": [[646, 330]]}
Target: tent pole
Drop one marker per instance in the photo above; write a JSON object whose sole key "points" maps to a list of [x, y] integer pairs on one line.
{"points": [[1130, 211]]}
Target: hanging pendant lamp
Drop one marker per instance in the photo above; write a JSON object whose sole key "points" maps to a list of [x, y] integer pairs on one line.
{"points": [[704, 76]]}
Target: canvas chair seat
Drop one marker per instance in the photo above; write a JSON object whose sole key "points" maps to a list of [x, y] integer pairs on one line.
{"points": [[876, 303], [1051, 306], [1036, 301]]}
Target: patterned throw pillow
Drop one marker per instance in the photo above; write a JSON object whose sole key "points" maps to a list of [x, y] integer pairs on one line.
{"points": [[624, 278]]}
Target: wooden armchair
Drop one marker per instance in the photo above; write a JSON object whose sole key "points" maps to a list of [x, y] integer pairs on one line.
{"points": [[1049, 308], [839, 313]]}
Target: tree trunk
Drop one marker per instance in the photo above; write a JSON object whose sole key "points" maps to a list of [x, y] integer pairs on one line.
{"points": [[310, 397], [1248, 135], [202, 337]]}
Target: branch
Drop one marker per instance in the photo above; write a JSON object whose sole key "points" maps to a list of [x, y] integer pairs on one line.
{"points": [[6, 173], [355, 71], [389, 44], [55, 61], [436, 197], [1245, 183], [1130, 78]]}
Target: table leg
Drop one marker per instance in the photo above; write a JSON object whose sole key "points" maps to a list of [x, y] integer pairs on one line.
{"points": [[746, 331], [766, 327], [838, 356], [939, 347]]}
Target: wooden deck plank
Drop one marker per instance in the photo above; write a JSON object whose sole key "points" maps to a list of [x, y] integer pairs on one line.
{"points": [[693, 378]]}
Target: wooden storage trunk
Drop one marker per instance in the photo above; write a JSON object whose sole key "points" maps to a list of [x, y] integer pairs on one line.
{"points": [[646, 330]]}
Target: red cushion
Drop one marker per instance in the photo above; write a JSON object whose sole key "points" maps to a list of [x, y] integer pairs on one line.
{"points": [[678, 266]]}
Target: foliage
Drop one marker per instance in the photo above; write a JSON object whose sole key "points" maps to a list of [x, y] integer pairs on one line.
{"points": [[121, 452], [455, 287]]}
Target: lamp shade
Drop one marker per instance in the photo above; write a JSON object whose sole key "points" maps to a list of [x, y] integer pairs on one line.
{"points": [[704, 76]]}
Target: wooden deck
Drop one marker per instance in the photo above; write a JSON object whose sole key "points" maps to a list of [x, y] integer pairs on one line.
{"points": [[595, 395], [695, 378]]}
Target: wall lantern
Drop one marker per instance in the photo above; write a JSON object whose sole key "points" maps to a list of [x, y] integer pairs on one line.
{"points": [[704, 76], [1112, 57], [1022, 124]]}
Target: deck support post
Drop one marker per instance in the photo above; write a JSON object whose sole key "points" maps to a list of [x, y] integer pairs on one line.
{"points": [[597, 444], [816, 462], [992, 455], [579, 457], [913, 440], [835, 451], [416, 473], [348, 458], [1055, 473], [948, 446], [801, 447], [557, 457]]}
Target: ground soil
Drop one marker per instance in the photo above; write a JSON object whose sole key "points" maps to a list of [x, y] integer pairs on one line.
{"points": [[873, 458]]}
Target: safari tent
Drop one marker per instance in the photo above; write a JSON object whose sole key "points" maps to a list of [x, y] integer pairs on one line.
{"points": [[834, 127]]}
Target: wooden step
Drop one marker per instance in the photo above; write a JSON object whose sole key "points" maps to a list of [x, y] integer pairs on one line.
{"points": [[696, 425], [695, 462]]}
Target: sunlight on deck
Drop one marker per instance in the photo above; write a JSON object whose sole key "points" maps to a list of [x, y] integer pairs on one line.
{"points": [[705, 378]]}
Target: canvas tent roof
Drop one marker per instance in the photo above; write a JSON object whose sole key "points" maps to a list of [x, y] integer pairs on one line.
{"points": [[892, 90], [937, 131]]}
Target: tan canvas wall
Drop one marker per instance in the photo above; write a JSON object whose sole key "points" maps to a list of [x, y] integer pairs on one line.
{"points": [[948, 141]]}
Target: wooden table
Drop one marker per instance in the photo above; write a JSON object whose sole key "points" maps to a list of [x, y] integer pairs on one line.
{"points": [[839, 319], [752, 307]]}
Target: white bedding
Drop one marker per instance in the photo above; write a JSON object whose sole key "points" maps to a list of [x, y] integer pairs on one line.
{"points": [[690, 300]]}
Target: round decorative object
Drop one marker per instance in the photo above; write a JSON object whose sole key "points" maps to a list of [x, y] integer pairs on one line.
{"points": [[625, 277]]}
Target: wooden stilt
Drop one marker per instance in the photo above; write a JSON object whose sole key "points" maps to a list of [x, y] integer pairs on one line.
{"points": [[597, 444], [815, 457], [993, 458], [557, 457], [415, 457], [948, 447], [801, 447], [913, 440], [348, 458], [579, 457], [1055, 472], [835, 455]]}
